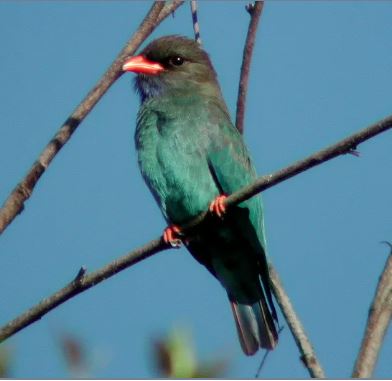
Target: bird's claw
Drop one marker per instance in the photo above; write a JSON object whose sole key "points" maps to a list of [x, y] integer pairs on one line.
{"points": [[171, 236], [218, 206], [354, 152]]}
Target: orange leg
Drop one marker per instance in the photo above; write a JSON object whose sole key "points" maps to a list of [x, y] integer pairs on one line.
{"points": [[171, 236], [218, 207]]}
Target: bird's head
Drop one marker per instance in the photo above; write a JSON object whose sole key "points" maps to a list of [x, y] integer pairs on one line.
{"points": [[173, 65]]}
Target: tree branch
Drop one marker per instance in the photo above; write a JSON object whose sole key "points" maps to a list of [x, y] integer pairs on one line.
{"points": [[308, 356], [169, 8], [347, 145], [22, 192], [195, 21], [80, 284], [83, 282], [255, 11], [380, 315]]}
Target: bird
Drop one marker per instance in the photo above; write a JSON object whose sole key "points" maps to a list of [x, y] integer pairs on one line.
{"points": [[192, 157]]}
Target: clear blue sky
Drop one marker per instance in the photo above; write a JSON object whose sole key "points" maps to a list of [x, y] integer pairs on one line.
{"points": [[321, 71]]}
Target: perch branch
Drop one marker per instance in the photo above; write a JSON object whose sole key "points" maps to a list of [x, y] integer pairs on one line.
{"points": [[78, 285], [86, 281], [380, 314], [342, 147], [14, 204], [255, 10]]}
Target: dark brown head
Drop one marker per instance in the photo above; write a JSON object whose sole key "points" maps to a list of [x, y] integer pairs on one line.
{"points": [[172, 64]]}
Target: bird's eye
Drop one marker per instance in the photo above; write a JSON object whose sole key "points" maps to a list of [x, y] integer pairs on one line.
{"points": [[176, 61]]}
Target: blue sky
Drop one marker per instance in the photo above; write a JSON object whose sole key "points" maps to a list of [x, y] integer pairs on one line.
{"points": [[321, 71]]}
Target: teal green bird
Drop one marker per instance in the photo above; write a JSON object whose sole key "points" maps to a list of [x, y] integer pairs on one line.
{"points": [[191, 156]]}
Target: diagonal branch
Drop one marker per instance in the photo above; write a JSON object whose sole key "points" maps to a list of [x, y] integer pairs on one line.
{"points": [[380, 315], [308, 356], [83, 282], [255, 11], [169, 8], [345, 146], [22, 192]]}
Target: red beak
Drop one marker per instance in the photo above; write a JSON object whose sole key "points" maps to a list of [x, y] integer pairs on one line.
{"points": [[140, 64]]}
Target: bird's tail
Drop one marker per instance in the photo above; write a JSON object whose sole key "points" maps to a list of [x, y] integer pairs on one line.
{"points": [[255, 326]]}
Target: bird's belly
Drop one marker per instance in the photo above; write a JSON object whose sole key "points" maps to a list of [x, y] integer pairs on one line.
{"points": [[179, 176], [187, 197]]}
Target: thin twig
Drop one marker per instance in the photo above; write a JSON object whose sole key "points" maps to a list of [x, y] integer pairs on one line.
{"points": [[265, 357], [265, 182], [195, 21], [14, 204], [169, 8], [380, 315], [308, 355], [255, 10]]}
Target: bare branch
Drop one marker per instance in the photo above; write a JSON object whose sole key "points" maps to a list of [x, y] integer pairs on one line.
{"points": [[308, 355], [380, 315], [345, 146], [169, 8], [78, 285], [255, 11], [22, 192], [196, 26], [265, 357], [82, 283]]}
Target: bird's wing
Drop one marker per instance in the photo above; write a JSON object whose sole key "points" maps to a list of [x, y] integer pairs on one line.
{"points": [[232, 169], [230, 164]]}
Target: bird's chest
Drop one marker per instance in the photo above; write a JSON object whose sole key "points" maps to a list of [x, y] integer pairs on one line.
{"points": [[172, 155]]}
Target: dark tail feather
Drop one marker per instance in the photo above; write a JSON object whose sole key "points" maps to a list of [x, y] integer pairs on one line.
{"points": [[255, 326]]}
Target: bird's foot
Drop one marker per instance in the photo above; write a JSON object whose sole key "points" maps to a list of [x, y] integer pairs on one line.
{"points": [[218, 207], [171, 235], [354, 152]]}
